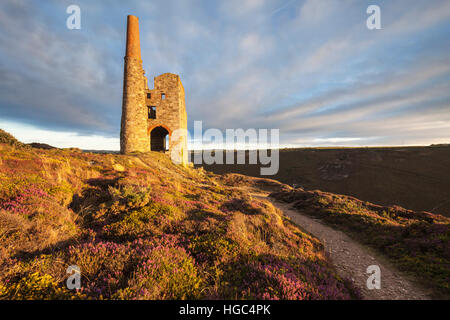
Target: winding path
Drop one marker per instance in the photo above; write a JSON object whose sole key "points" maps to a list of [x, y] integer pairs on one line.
{"points": [[351, 259]]}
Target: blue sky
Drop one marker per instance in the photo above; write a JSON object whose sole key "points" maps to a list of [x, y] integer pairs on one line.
{"points": [[308, 67]]}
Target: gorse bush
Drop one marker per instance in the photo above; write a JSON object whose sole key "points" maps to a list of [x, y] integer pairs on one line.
{"points": [[146, 221], [37, 287]]}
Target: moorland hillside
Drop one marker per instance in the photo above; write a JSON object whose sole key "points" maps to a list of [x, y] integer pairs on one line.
{"points": [[140, 227]]}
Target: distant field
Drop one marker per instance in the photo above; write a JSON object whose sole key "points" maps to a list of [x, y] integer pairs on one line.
{"points": [[416, 178]]}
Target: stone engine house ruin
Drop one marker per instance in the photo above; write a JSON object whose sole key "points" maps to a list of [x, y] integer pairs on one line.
{"points": [[152, 119]]}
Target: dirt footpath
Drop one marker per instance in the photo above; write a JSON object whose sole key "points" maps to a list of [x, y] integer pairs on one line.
{"points": [[351, 260]]}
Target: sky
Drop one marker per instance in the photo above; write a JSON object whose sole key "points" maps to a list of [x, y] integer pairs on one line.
{"points": [[310, 68]]}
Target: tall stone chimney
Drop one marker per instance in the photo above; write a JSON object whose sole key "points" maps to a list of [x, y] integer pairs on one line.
{"points": [[133, 131]]}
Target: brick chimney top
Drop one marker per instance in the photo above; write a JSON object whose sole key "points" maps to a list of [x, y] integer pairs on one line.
{"points": [[133, 42]]}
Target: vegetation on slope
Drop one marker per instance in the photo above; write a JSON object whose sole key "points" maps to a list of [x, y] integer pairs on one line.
{"points": [[140, 227], [9, 139], [417, 242]]}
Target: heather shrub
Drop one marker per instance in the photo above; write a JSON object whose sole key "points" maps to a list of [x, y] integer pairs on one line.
{"points": [[103, 264], [213, 248], [156, 268], [273, 278], [149, 220], [166, 273], [32, 221]]}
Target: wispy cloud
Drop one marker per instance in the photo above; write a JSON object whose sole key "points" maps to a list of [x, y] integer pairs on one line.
{"points": [[308, 67]]}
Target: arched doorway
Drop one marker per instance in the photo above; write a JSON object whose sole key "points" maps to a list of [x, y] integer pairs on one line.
{"points": [[159, 139]]}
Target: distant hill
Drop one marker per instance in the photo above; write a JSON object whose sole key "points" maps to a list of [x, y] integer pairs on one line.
{"points": [[41, 146], [9, 139], [416, 178], [440, 145]]}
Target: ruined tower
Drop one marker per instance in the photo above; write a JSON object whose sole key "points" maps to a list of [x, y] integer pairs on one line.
{"points": [[152, 119], [133, 133]]}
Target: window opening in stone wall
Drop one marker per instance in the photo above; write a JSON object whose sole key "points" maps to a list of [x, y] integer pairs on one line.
{"points": [[151, 112]]}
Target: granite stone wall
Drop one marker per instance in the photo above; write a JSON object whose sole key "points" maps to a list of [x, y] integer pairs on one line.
{"points": [[167, 98], [133, 134]]}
